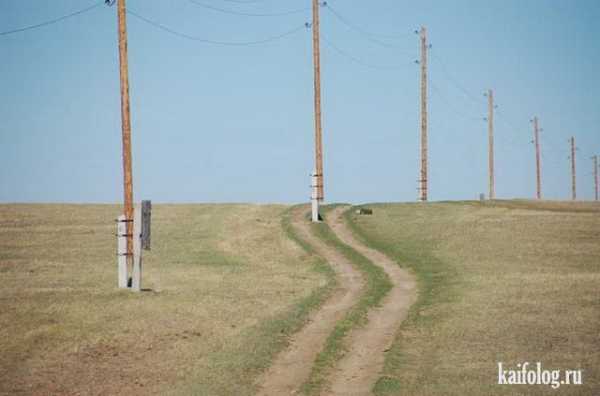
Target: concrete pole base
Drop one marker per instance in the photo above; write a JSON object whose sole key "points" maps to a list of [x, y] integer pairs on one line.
{"points": [[314, 200], [315, 210], [122, 252]]}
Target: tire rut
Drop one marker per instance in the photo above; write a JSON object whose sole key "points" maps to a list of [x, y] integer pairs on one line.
{"points": [[356, 373], [292, 367]]}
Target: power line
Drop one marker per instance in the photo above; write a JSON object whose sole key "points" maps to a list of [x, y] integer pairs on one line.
{"points": [[558, 162], [455, 82], [249, 14], [367, 35], [215, 42], [505, 119], [356, 60], [359, 29], [52, 21], [512, 126], [244, 2], [469, 117], [451, 106]]}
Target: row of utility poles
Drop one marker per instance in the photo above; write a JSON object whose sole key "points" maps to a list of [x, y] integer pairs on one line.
{"points": [[317, 177], [423, 180], [572, 158]]}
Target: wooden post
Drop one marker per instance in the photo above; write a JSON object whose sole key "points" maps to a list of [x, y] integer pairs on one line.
{"points": [[317, 87], [538, 165], [595, 157], [492, 182], [424, 186], [125, 125], [146, 222], [573, 171], [136, 281], [122, 252]]}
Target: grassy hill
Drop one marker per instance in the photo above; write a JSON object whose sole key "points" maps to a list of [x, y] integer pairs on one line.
{"points": [[505, 282], [226, 286], [509, 281]]}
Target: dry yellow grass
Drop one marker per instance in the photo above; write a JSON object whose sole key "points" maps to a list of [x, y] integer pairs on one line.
{"points": [[227, 286], [511, 281]]}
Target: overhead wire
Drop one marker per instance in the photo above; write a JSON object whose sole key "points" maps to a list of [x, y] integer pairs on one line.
{"points": [[248, 14], [372, 37], [456, 111], [359, 61], [52, 21], [454, 81], [357, 28], [367, 35], [504, 119], [500, 138], [244, 2], [215, 42], [558, 162]]}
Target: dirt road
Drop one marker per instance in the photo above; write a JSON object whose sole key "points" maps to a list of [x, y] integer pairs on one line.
{"points": [[292, 367], [361, 366], [359, 369]]}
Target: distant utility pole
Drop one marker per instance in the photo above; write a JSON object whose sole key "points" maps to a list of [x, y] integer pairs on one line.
{"points": [[423, 180], [491, 143], [317, 83], [595, 158], [573, 171], [536, 141], [126, 127]]}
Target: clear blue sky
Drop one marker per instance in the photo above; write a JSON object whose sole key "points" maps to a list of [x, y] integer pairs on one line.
{"points": [[215, 123]]}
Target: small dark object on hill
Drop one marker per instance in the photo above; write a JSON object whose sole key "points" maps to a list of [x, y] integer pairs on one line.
{"points": [[364, 211]]}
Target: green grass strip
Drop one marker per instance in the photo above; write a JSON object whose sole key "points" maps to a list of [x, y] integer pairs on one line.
{"points": [[264, 341], [433, 280]]}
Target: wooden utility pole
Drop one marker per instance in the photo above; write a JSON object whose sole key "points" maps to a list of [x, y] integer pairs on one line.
{"points": [[536, 140], [491, 144], [317, 83], [595, 158], [423, 180], [573, 174], [126, 127]]}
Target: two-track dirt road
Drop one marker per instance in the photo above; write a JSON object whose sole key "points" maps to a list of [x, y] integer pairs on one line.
{"points": [[292, 367], [361, 365]]}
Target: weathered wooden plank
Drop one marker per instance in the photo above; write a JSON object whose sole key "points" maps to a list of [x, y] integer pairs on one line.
{"points": [[146, 224], [136, 282]]}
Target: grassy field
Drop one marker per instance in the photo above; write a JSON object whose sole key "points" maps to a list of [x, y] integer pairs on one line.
{"points": [[226, 287], [506, 282]]}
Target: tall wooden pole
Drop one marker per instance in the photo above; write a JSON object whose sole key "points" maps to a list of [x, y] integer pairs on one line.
{"points": [[126, 127], [536, 138], [573, 171], [423, 180], [595, 158], [492, 181], [317, 83]]}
